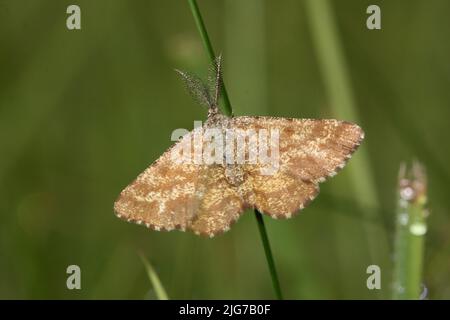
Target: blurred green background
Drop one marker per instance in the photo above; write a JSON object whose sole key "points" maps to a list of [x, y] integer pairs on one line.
{"points": [[83, 112]]}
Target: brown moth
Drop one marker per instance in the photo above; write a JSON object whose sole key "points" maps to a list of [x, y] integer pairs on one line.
{"points": [[206, 198]]}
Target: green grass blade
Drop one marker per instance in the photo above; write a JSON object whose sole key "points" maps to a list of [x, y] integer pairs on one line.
{"points": [[208, 46], [269, 256], [341, 97], [154, 280], [228, 110], [410, 233]]}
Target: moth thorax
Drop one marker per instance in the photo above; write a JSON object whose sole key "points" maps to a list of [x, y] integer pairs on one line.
{"points": [[215, 118], [234, 174]]}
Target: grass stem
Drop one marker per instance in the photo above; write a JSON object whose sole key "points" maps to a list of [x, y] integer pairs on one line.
{"points": [[208, 46], [229, 111], [269, 256]]}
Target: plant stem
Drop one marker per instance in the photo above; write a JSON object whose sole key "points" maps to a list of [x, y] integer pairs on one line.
{"points": [[207, 43], [410, 233], [229, 111], [269, 256]]}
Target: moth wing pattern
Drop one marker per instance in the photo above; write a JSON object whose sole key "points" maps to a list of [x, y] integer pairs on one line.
{"points": [[221, 204], [310, 151], [280, 195], [166, 195], [172, 195]]}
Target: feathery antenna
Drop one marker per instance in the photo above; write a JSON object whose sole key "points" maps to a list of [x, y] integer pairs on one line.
{"points": [[197, 88], [206, 94], [218, 82]]}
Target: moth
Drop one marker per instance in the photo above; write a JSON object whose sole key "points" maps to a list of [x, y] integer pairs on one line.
{"points": [[207, 198]]}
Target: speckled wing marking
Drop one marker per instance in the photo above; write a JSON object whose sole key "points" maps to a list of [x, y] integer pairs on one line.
{"points": [[220, 206], [310, 151], [281, 195], [165, 196], [168, 196]]}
